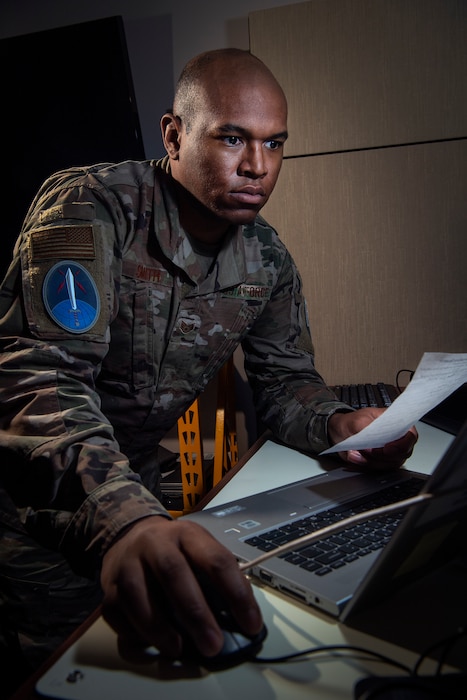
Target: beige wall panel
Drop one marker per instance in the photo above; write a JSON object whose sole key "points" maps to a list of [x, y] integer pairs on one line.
{"points": [[364, 73], [380, 237]]}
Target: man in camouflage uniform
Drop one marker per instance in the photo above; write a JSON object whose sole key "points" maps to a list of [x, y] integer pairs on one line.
{"points": [[131, 285]]}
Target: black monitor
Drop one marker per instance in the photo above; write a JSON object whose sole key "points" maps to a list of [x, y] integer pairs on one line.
{"points": [[67, 99]]}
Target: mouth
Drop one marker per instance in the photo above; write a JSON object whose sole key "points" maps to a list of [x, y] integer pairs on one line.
{"points": [[250, 195]]}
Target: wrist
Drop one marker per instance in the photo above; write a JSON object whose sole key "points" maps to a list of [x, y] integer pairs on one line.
{"points": [[334, 426]]}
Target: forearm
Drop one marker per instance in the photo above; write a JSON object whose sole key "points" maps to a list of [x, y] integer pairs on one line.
{"points": [[299, 416], [291, 397], [60, 461]]}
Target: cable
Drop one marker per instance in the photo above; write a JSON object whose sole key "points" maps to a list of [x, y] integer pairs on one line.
{"points": [[368, 654], [448, 643], [335, 527], [410, 371], [363, 654]]}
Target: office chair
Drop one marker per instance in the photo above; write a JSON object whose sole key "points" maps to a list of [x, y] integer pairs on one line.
{"points": [[192, 462]]}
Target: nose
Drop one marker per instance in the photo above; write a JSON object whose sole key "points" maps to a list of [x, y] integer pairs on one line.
{"points": [[253, 163]]}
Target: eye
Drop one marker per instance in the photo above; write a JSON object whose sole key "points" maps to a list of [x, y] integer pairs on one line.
{"points": [[274, 145], [231, 140]]}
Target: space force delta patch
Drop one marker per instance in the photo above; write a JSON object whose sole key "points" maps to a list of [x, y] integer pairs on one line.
{"points": [[70, 296]]}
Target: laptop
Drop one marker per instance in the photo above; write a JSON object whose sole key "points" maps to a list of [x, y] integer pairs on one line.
{"points": [[345, 572]]}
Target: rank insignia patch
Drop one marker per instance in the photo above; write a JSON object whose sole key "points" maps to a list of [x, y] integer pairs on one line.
{"points": [[70, 296]]}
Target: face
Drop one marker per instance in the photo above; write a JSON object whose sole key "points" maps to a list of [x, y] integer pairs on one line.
{"points": [[229, 157]]}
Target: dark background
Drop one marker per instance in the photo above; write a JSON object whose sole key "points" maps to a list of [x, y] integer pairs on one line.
{"points": [[68, 99]]}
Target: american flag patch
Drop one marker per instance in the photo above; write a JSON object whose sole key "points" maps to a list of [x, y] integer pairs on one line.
{"points": [[63, 241]]}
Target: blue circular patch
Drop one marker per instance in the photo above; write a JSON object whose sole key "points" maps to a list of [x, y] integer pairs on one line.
{"points": [[71, 297]]}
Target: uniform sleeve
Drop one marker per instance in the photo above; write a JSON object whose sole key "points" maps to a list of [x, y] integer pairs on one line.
{"points": [[61, 465], [290, 395]]}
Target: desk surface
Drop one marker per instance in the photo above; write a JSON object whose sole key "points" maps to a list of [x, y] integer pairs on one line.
{"points": [[274, 465], [94, 663]]}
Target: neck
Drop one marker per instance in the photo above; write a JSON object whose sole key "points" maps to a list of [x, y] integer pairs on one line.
{"points": [[198, 221]]}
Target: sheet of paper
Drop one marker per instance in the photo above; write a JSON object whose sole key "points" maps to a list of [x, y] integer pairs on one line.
{"points": [[436, 377]]}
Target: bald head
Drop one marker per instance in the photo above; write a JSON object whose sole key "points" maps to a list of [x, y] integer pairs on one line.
{"points": [[225, 140], [210, 74]]}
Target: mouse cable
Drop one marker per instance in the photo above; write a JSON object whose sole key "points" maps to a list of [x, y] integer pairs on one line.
{"points": [[335, 650], [371, 655], [363, 654], [335, 527], [448, 643], [323, 532]]}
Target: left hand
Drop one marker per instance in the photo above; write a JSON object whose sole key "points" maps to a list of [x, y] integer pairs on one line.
{"points": [[390, 456]]}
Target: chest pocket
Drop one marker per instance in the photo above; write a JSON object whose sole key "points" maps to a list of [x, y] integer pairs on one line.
{"points": [[205, 334], [137, 336]]}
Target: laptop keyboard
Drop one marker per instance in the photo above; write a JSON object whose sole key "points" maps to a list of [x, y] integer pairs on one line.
{"points": [[335, 551]]}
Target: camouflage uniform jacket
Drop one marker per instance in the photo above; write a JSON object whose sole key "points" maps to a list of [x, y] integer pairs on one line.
{"points": [[109, 330]]}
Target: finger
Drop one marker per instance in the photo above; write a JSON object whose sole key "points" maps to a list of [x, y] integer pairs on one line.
{"points": [[188, 609], [130, 645], [219, 568], [405, 443], [137, 610], [230, 588], [211, 564], [390, 456], [134, 653], [401, 449]]}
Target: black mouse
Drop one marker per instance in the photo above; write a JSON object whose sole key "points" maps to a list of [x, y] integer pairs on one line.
{"points": [[237, 646]]}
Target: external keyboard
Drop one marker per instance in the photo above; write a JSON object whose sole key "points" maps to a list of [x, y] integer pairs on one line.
{"points": [[364, 395]]}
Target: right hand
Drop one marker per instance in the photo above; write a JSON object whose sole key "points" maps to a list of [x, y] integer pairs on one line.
{"points": [[391, 456], [149, 574]]}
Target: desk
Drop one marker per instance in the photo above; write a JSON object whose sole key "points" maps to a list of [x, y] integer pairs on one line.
{"points": [[292, 625], [273, 465]]}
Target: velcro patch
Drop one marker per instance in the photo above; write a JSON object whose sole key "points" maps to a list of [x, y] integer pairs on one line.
{"points": [[65, 281], [71, 297], [63, 241], [85, 211], [249, 291]]}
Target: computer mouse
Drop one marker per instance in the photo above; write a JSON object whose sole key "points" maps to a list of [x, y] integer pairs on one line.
{"points": [[237, 646]]}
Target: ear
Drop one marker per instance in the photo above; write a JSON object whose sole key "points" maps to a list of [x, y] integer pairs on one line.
{"points": [[171, 128]]}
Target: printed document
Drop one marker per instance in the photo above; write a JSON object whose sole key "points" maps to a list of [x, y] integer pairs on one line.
{"points": [[436, 377]]}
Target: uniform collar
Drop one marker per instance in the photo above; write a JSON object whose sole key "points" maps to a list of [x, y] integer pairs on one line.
{"points": [[230, 267]]}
